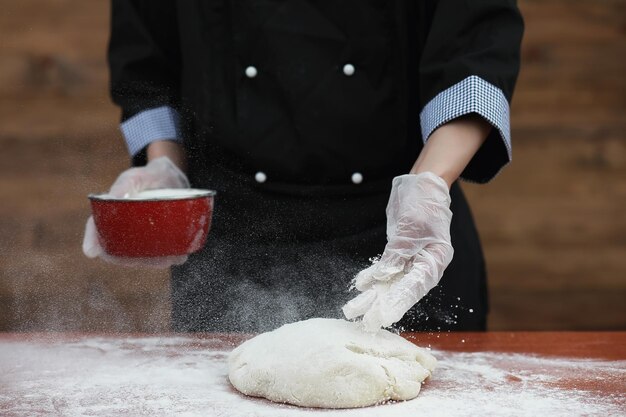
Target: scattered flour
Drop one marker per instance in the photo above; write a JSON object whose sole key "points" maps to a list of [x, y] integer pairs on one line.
{"points": [[188, 377]]}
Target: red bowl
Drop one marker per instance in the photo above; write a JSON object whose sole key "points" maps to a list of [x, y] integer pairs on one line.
{"points": [[155, 223]]}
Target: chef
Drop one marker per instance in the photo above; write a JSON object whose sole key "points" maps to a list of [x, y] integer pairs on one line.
{"points": [[334, 133]]}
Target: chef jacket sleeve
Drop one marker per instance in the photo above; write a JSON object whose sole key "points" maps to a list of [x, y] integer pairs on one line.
{"points": [[144, 67], [469, 64]]}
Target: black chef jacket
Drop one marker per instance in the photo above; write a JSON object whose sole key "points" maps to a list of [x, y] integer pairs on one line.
{"points": [[309, 92], [301, 119]]}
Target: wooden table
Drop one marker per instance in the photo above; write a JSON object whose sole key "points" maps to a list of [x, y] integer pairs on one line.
{"points": [[598, 345], [503, 373]]}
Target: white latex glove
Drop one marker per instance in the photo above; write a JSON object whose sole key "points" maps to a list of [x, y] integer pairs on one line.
{"points": [[418, 251], [158, 173]]}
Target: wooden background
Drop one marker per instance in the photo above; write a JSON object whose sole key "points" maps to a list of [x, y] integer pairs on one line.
{"points": [[553, 223]]}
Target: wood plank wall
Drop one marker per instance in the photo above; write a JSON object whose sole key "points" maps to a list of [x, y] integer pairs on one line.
{"points": [[553, 223]]}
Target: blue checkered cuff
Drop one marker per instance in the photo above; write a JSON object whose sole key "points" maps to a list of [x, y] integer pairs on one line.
{"points": [[161, 123], [474, 95]]}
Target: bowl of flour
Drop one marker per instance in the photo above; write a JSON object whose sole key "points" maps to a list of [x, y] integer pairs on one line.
{"points": [[153, 223]]}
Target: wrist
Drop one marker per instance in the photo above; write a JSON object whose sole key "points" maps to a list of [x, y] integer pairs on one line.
{"points": [[448, 175], [450, 148]]}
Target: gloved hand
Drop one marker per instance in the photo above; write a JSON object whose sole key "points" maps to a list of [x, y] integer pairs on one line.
{"points": [[158, 173], [418, 251]]}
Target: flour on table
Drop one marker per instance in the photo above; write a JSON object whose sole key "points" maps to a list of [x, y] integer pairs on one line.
{"points": [[329, 363], [188, 376]]}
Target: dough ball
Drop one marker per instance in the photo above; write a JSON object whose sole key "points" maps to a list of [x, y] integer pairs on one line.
{"points": [[329, 363]]}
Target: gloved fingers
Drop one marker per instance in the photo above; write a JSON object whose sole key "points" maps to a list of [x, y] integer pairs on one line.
{"points": [[391, 265], [359, 304], [364, 280], [403, 293], [373, 319], [403, 246], [128, 183], [176, 177], [158, 173], [379, 272], [376, 317], [406, 292], [389, 269], [91, 242], [163, 173], [436, 256], [379, 316], [391, 305]]}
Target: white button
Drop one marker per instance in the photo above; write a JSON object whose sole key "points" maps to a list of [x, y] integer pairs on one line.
{"points": [[260, 177], [348, 69], [251, 72], [357, 178]]}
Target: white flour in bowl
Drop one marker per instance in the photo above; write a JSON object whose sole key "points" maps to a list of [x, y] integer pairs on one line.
{"points": [[186, 376], [168, 194]]}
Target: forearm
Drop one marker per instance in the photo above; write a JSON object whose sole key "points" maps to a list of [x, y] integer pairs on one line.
{"points": [[451, 147], [173, 150]]}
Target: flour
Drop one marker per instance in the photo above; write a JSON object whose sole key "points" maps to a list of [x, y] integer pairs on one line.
{"points": [[188, 376], [164, 194], [169, 193]]}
